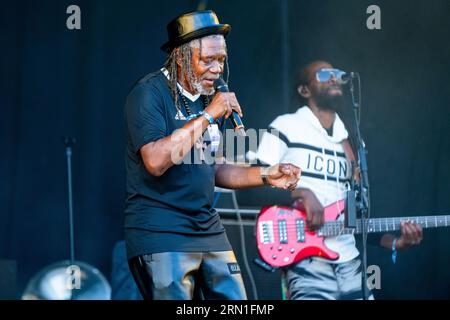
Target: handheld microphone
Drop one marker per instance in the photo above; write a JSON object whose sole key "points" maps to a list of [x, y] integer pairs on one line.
{"points": [[221, 86]]}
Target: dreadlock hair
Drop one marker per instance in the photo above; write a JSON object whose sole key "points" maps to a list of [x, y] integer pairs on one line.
{"points": [[183, 54]]}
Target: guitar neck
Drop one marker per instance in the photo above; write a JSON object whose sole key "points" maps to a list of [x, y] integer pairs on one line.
{"points": [[334, 228]]}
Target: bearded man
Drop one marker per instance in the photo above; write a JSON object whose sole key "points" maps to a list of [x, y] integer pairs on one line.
{"points": [[176, 244], [316, 139]]}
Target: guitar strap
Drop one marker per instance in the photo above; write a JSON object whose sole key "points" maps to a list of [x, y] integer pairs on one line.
{"points": [[348, 150], [351, 158]]}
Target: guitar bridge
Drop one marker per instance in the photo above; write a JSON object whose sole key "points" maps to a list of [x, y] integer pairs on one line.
{"points": [[266, 232]]}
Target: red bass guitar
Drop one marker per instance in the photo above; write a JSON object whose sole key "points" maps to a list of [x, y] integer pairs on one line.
{"points": [[283, 237]]}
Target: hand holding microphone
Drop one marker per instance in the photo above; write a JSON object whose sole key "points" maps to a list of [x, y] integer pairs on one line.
{"points": [[226, 104]]}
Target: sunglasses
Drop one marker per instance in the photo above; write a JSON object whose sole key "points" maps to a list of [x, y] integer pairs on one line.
{"points": [[325, 74]]}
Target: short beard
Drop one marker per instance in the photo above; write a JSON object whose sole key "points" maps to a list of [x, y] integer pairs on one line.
{"points": [[326, 101], [197, 86]]}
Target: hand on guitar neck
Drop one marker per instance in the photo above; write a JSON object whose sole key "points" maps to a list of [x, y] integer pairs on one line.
{"points": [[411, 234], [306, 200], [284, 237]]}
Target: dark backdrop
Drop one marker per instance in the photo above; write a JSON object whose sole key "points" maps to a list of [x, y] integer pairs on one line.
{"points": [[57, 82]]}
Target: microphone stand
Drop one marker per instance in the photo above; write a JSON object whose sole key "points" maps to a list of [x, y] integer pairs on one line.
{"points": [[361, 189], [73, 272], [68, 143]]}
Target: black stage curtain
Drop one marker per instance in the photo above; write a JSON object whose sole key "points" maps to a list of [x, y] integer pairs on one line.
{"points": [[57, 82]]}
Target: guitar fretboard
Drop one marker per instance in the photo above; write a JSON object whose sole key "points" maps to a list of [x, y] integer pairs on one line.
{"points": [[384, 224]]}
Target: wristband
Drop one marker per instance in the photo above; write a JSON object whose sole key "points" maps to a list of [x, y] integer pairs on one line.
{"points": [[208, 117], [394, 251], [264, 171]]}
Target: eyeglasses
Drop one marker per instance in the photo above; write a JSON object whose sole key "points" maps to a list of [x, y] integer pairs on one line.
{"points": [[325, 74]]}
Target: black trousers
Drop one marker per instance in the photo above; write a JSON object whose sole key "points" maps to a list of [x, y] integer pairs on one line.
{"points": [[188, 275]]}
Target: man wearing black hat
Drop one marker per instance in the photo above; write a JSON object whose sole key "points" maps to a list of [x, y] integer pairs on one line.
{"points": [[176, 243]]}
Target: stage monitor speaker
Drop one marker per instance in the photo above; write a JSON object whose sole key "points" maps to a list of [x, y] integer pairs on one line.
{"points": [[268, 284], [8, 279]]}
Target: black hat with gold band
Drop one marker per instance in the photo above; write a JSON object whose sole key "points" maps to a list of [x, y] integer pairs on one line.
{"points": [[193, 25]]}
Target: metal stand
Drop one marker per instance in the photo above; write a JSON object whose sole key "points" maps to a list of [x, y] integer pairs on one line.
{"points": [[68, 279], [361, 189], [68, 143]]}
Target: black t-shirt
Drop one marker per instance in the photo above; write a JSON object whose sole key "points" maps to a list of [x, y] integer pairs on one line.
{"points": [[172, 212]]}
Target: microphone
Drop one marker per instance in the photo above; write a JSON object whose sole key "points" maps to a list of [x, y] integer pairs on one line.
{"points": [[221, 86], [344, 77]]}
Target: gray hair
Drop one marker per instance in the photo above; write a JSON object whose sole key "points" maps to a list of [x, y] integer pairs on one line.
{"points": [[183, 53]]}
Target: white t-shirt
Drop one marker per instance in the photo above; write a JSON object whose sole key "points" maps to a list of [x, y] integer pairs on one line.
{"points": [[303, 141]]}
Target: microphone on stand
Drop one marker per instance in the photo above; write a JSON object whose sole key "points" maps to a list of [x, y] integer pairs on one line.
{"points": [[221, 86], [344, 77]]}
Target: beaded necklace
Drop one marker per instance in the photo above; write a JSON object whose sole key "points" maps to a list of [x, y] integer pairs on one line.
{"points": [[200, 145], [188, 109]]}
